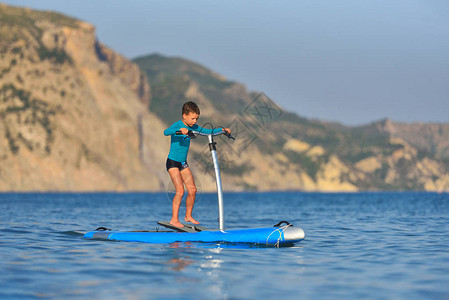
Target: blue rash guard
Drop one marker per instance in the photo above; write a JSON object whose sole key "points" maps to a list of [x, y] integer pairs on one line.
{"points": [[179, 146]]}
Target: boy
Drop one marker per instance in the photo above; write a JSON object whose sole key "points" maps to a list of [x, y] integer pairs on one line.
{"points": [[177, 165]]}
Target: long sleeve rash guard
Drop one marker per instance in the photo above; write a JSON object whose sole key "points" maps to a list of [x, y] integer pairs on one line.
{"points": [[179, 146]]}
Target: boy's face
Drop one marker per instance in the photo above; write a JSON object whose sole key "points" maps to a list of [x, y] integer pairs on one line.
{"points": [[190, 119]]}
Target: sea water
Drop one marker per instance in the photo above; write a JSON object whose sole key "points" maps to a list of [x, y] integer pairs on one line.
{"points": [[357, 246]]}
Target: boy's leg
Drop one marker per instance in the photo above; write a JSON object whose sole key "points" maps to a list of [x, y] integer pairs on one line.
{"points": [[177, 180], [187, 177]]}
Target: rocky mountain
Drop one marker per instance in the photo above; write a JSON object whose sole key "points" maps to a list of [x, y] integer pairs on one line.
{"points": [[77, 116], [280, 150], [73, 113]]}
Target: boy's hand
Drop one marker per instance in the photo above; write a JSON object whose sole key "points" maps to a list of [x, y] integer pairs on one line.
{"points": [[227, 130], [184, 131]]}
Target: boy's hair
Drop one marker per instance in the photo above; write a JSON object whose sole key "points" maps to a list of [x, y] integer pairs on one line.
{"points": [[189, 107]]}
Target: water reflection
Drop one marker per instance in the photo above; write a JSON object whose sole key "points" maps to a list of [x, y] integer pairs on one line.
{"points": [[179, 263], [200, 264], [181, 260]]}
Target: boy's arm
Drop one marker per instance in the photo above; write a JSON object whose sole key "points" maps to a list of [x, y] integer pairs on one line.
{"points": [[172, 129]]}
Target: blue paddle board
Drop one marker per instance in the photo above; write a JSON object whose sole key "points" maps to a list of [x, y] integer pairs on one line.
{"points": [[273, 236]]}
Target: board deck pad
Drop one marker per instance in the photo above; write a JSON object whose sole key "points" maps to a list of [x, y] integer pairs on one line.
{"points": [[187, 227]]}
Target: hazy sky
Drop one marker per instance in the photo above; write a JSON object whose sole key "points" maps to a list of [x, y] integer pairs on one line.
{"points": [[352, 61]]}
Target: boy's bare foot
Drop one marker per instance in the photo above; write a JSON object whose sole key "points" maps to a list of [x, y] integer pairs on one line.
{"points": [[191, 220], [176, 224]]}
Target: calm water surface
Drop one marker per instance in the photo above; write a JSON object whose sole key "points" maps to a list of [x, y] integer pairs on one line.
{"points": [[363, 245]]}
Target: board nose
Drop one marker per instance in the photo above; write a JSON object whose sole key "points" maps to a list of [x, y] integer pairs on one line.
{"points": [[292, 233]]}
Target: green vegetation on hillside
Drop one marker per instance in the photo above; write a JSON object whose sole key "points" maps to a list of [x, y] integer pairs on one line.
{"points": [[171, 77], [24, 24], [20, 113], [168, 96]]}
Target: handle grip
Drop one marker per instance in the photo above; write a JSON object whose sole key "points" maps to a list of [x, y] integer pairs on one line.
{"points": [[229, 136], [189, 134]]}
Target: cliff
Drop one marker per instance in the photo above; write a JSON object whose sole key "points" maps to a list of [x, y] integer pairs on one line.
{"points": [[73, 113]]}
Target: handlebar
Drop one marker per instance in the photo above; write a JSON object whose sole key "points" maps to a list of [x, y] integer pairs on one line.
{"points": [[193, 133]]}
